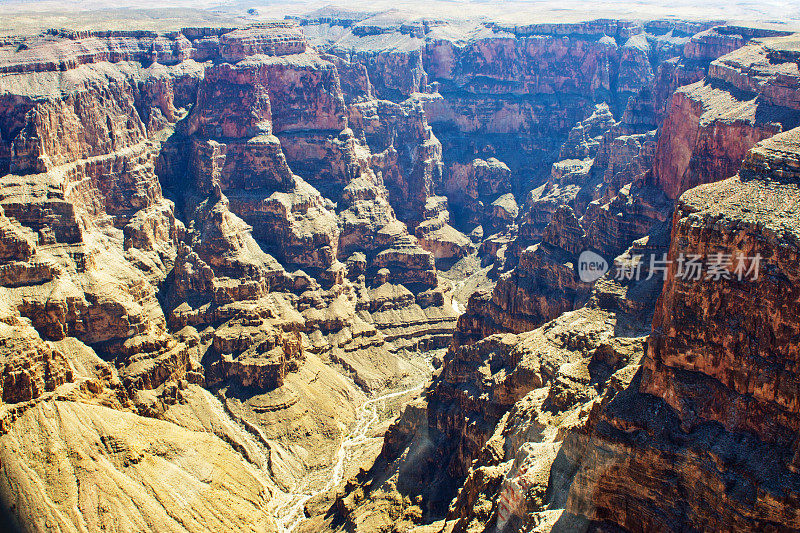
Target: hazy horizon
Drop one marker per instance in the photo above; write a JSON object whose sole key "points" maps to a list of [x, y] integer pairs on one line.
{"points": [[23, 16]]}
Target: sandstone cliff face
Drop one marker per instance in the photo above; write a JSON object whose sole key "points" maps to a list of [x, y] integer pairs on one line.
{"points": [[96, 261], [220, 263], [670, 432], [473, 185], [621, 186], [497, 82], [261, 135], [717, 390], [100, 236], [237, 106], [574, 179], [664, 439], [496, 405], [317, 193], [711, 126], [542, 286], [407, 154], [88, 240], [689, 154]]}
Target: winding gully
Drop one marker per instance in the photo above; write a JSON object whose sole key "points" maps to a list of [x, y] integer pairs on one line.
{"points": [[289, 516]]}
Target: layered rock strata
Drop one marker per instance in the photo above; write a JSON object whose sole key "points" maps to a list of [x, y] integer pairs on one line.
{"points": [[716, 390], [709, 127], [97, 265], [317, 192], [498, 404], [667, 432]]}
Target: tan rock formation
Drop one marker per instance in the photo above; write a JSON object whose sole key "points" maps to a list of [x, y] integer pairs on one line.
{"points": [[542, 286], [703, 382], [208, 363], [666, 445], [496, 405]]}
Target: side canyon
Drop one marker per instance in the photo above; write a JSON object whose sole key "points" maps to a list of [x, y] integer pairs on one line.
{"points": [[324, 274]]}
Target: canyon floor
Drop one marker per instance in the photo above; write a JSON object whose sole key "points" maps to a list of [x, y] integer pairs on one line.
{"points": [[316, 268]]}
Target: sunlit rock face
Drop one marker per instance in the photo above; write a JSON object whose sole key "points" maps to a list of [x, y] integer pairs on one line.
{"points": [[696, 384], [159, 244], [627, 184], [217, 243], [716, 388]]}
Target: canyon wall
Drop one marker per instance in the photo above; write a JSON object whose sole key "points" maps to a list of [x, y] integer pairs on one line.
{"points": [[661, 402], [243, 319], [626, 182], [710, 415], [230, 238]]}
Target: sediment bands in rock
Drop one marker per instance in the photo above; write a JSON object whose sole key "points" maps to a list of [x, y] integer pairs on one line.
{"points": [[634, 411], [217, 243], [715, 398], [242, 321]]}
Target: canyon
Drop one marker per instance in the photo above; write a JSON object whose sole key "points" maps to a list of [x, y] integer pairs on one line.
{"points": [[324, 274]]}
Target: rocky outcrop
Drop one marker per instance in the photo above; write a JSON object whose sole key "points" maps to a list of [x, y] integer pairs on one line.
{"points": [[256, 356], [618, 447], [584, 139], [93, 235], [712, 124], [220, 263], [30, 367], [574, 179], [703, 382], [500, 403], [437, 235], [495, 80], [278, 40], [247, 161], [690, 153], [89, 241], [406, 153], [542, 286], [325, 174], [474, 187]]}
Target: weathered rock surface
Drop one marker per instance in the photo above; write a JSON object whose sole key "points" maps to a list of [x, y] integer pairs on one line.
{"points": [[95, 261], [499, 403], [717, 389], [541, 287], [632, 181], [614, 431], [217, 243]]}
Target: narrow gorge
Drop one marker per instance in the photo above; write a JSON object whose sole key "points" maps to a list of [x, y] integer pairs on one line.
{"points": [[327, 273]]}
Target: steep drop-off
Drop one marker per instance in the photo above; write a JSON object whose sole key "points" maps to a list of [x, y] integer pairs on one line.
{"points": [[216, 244]]}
